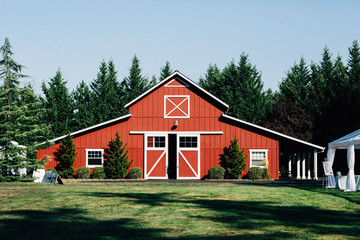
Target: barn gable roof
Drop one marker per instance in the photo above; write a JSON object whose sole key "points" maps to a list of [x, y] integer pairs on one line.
{"points": [[184, 79]]}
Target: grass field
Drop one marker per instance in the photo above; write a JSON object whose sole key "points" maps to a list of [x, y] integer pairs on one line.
{"points": [[168, 210]]}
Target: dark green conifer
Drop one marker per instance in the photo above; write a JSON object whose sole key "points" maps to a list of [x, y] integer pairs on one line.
{"points": [[165, 71], [233, 160], [65, 157], [135, 84], [116, 158], [59, 105]]}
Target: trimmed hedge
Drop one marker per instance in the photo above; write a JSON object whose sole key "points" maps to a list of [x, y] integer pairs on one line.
{"points": [[83, 173], [254, 173], [134, 173], [52, 170], [98, 173], [216, 173]]}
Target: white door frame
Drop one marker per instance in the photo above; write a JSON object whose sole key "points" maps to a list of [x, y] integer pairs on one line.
{"points": [[164, 149], [179, 149]]}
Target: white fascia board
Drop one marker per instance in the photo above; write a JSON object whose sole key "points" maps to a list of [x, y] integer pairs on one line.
{"points": [[274, 132], [188, 80], [90, 128], [176, 132]]}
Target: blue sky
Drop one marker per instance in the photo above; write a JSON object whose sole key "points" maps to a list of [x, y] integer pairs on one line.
{"points": [[76, 36]]}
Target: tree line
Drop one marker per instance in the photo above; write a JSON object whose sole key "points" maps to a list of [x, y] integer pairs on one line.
{"points": [[316, 102]]}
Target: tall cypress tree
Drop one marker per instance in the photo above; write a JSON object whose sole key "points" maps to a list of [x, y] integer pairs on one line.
{"points": [[241, 87], [58, 102], [20, 119], [83, 115], [107, 97], [354, 85], [135, 84], [295, 86], [165, 71]]}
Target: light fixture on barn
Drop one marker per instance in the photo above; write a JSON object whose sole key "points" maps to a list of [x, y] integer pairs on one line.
{"points": [[176, 123]]}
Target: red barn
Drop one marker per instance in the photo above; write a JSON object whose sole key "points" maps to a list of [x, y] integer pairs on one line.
{"points": [[178, 130]]}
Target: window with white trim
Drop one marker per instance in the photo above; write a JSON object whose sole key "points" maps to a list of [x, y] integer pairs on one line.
{"points": [[188, 142], [94, 157], [155, 142], [176, 106], [258, 158]]}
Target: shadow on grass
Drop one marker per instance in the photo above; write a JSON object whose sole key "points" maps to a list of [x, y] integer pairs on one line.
{"points": [[241, 219], [312, 186], [255, 215], [64, 223]]}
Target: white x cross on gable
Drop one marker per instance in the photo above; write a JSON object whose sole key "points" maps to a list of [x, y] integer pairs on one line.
{"points": [[177, 106]]}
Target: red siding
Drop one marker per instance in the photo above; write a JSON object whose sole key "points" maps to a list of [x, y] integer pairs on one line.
{"points": [[148, 115]]}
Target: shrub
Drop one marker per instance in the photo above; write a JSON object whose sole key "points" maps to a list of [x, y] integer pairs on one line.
{"points": [[265, 173], [135, 173], [52, 170], [83, 172], [233, 160], [116, 158], [254, 173], [216, 173], [65, 157], [98, 173]]}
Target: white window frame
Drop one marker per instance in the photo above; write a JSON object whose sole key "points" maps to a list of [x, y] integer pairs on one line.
{"points": [[176, 96], [102, 157], [153, 147], [258, 150]]}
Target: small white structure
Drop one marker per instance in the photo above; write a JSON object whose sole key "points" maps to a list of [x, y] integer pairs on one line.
{"points": [[39, 175], [349, 142]]}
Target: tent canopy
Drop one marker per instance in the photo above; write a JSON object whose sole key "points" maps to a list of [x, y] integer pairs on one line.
{"points": [[343, 142], [349, 142]]}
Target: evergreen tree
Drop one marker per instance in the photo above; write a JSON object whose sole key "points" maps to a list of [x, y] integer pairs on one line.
{"points": [[135, 84], [295, 86], [20, 119], [116, 164], [10, 72], [58, 102], [83, 115], [65, 157], [233, 160], [241, 87], [107, 98], [212, 81], [353, 89], [165, 71]]}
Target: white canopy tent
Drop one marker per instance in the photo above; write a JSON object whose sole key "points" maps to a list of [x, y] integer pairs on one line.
{"points": [[349, 142]]}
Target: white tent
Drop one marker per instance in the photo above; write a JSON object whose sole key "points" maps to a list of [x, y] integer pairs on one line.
{"points": [[349, 142]]}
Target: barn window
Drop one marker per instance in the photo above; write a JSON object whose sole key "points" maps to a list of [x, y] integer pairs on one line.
{"points": [[155, 142], [258, 158], [176, 106], [94, 157], [188, 142]]}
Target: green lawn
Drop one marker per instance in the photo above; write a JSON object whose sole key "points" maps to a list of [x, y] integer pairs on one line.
{"points": [[167, 210]]}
